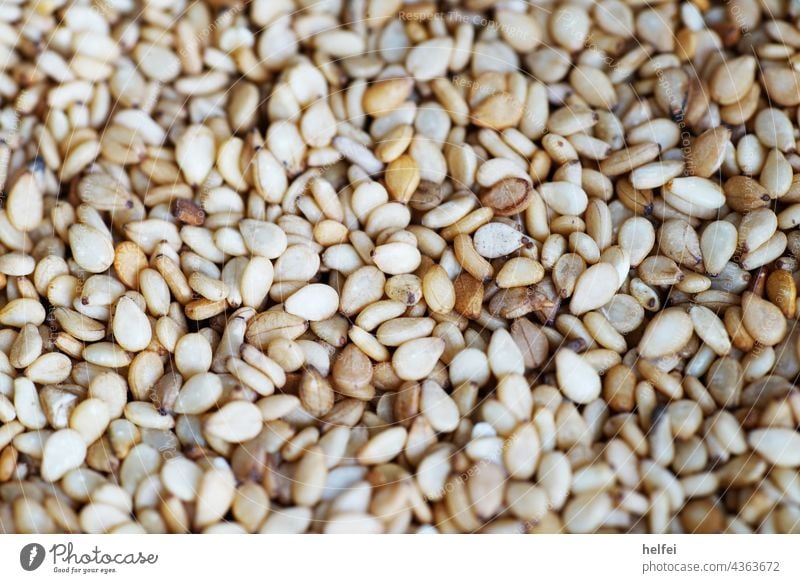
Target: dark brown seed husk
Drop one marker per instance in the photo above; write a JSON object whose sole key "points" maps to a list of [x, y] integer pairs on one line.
{"points": [[428, 195], [188, 212], [469, 295], [508, 197]]}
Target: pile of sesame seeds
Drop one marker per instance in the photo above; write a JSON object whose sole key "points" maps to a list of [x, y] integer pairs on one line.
{"points": [[373, 266]]}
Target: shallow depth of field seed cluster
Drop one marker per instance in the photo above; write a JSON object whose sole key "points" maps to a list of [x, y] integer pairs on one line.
{"points": [[394, 266]]}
